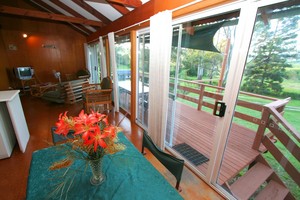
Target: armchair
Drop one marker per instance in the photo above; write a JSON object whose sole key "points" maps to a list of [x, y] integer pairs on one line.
{"points": [[98, 97]]}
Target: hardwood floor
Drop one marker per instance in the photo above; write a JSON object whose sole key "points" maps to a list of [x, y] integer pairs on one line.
{"points": [[41, 116]]}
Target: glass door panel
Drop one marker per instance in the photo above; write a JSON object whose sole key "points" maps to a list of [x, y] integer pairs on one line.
{"points": [[201, 52], [94, 63], [143, 79], [123, 48], [270, 68]]}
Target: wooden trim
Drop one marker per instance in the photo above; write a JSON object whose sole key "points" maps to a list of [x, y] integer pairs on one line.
{"points": [[133, 65], [200, 6], [107, 57], [49, 16]]}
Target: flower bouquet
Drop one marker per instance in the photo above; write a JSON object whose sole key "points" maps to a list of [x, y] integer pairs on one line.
{"points": [[89, 138]]}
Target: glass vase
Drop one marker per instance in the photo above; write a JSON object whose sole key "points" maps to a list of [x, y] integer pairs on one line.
{"points": [[97, 175]]}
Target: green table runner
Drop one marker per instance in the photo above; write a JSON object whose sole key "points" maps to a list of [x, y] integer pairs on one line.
{"points": [[128, 176]]}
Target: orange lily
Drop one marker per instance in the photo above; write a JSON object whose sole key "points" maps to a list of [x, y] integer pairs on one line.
{"points": [[97, 139]]}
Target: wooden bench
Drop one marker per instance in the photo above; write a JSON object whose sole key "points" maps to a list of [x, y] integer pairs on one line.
{"points": [[66, 92], [74, 90]]}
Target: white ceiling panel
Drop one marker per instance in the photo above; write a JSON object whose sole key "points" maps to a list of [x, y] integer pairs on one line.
{"points": [[80, 10], [105, 9], [144, 1], [90, 28], [57, 8]]}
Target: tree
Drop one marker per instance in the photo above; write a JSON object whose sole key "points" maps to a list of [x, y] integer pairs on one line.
{"points": [[192, 59], [272, 45]]}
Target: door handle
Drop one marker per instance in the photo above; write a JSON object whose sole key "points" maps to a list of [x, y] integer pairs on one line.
{"points": [[221, 110]]}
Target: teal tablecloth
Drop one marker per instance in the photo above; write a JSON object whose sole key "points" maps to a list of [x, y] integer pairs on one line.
{"points": [[128, 176]]}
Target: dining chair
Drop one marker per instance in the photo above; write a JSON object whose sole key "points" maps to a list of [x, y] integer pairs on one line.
{"points": [[173, 164], [57, 139], [98, 97]]}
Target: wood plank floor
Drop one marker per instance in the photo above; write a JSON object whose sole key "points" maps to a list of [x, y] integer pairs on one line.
{"points": [[197, 128], [41, 116]]}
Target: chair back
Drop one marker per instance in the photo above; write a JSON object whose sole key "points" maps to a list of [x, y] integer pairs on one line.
{"points": [[173, 164], [57, 139], [98, 97], [106, 83]]}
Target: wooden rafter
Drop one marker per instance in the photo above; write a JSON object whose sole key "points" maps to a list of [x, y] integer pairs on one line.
{"points": [[72, 12], [129, 3], [121, 8], [91, 10], [49, 16], [46, 7]]}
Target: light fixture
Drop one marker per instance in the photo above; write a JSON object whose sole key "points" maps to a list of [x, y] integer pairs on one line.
{"points": [[24, 35]]}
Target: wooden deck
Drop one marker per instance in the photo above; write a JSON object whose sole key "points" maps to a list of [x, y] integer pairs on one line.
{"points": [[197, 128]]}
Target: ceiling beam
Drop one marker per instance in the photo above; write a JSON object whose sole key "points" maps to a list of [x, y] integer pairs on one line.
{"points": [[78, 27], [93, 11], [72, 12], [129, 3], [49, 16], [121, 8]]}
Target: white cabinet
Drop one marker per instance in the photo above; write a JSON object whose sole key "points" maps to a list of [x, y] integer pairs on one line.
{"points": [[7, 134], [12, 123]]}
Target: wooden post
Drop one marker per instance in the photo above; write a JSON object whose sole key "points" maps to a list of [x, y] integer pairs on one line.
{"points": [[133, 76], [107, 57], [224, 63], [201, 96], [261, 128]]}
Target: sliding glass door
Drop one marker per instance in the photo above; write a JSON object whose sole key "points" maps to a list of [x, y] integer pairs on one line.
{"points": [[94, 62], [123, 48], [270, 65], [201, 53], [143, 78], [214, 111]]}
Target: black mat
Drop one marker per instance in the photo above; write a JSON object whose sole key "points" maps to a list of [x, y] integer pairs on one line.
{"points": [[190, 153]]}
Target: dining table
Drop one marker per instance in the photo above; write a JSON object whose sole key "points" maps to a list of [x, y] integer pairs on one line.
{"points": [[129, 175]]}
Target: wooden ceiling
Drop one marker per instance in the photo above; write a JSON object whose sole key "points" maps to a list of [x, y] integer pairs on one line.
{"points": [[87, 16]]}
